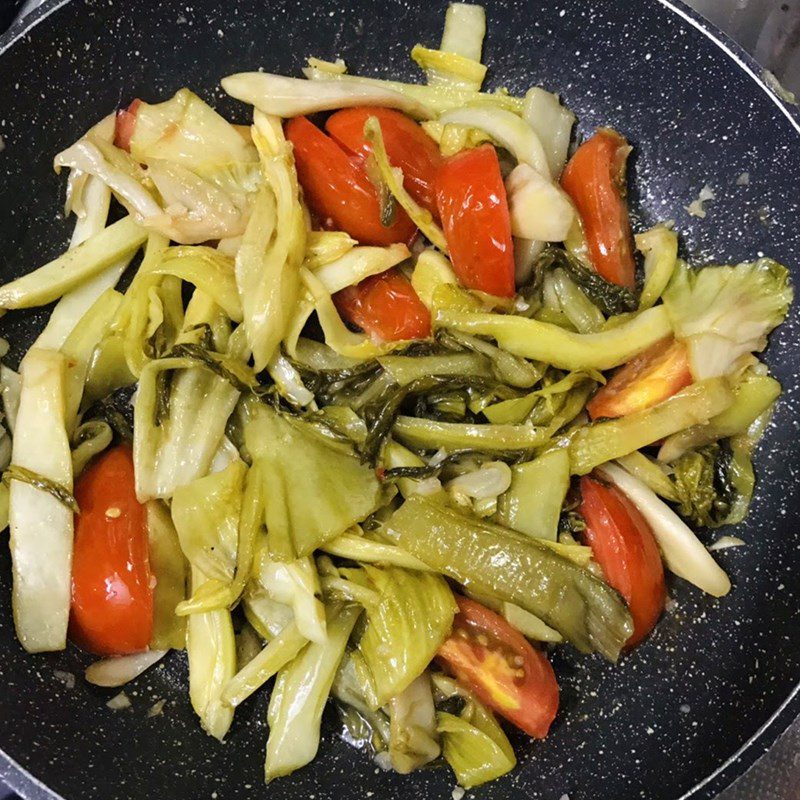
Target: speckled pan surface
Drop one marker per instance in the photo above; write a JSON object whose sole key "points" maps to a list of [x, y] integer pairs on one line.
{"points": [[668, 721]]}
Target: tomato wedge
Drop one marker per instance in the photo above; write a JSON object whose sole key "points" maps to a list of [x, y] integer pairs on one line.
{"points": [[474, 212], [502, 669], [125, 124], [595, 180], [386, 307], [624, 546], [112, 599], [650, 378], [338, 191], [407, 145]]}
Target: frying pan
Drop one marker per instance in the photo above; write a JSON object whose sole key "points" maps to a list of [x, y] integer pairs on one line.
{"points": [[717, 682]]}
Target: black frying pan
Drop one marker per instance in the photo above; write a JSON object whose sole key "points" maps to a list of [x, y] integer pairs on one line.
{"points": [[713, 687]]}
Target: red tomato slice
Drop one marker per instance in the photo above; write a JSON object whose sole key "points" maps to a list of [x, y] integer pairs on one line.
{"points": [[407, 145], [624, 546], [650, 378], [474, 211], [595, 180], [502, 669], [386, 307], [338, 191], [125, 124], [112, 599]]}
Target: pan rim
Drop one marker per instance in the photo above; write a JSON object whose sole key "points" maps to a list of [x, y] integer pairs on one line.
{"points": [[751, 751]]}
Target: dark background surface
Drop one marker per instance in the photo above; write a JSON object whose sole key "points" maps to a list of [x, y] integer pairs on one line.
{"points": [[715, 670]]}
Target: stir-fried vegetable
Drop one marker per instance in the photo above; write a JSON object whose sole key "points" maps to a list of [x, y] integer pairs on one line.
{"points": [[516, 569], [380, 398]]}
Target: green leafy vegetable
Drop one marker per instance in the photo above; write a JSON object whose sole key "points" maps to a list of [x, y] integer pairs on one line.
{"points": [[532, 504], [299, 695], [599, 442], [74, 267], [90, 439], [276, 655], [608, 297], [517, 569], [273, 246], [168, 566], [413, 737], [406, 628], [475, 746], [660, 248], [299, 463], [725, 312], [542, 341], [41, 521]]}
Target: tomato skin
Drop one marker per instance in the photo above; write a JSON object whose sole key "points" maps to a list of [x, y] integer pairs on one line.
{"points": [[125, 124], [473, 209], [112, 599], [595, 180], [486, 655], [337, 189], [650, 378], [407, 145], [386, 307], [624, 546]]}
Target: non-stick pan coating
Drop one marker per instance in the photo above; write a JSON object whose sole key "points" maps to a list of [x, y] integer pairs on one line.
{"points": [[715, 671]]}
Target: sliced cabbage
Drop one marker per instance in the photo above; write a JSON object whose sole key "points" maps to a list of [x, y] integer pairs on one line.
{"points": [[294, 584], [206, 515], [474, 745], [723, 313], [406, 628], [273, 247], [533, 502], [119, 670], [431, 270], [660, 248], [293, 97], [39, 523], [79, 347], [211, 651], [299, 463], [422, 102], [172, 452], [168, 567], [322, 247], [514, 568], [593, 445], [300, 693], [413, 737], [74, 267], [684, 554], [186, 130], [356, 547], [551, 344], [449, 69], [552, 123], [89, 439], [206, 268], [508, 130], [276, 655], [540, 209]]}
